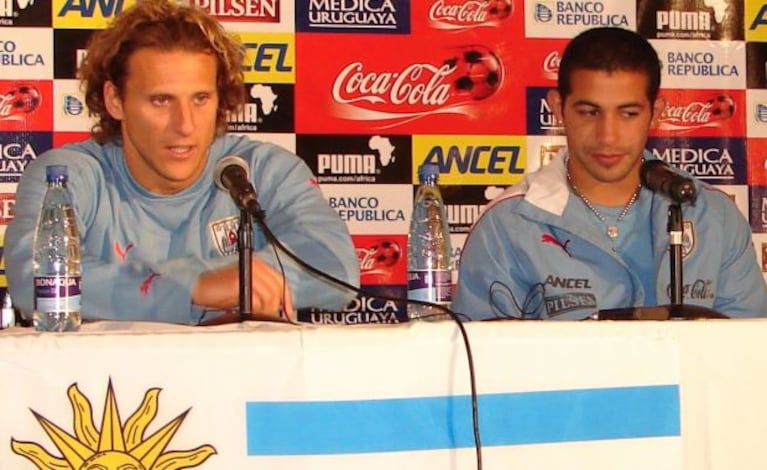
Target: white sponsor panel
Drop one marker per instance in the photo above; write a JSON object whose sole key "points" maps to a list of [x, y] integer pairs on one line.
{"points": [[542, 148], [690, 64], [372, 209], [760, 245], [565, 19], [70, 113], [26, 53], [756, 113], [739, 194], [456, 244]]}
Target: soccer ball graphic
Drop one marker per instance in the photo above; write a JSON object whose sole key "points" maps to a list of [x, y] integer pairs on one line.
{"points": [[478, 72], [499, 8], [385, 253], [722, 107], [23, 99]]}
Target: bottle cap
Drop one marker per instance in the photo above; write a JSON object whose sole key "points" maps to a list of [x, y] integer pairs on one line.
{"points": [[56, 173], [428, 170]]}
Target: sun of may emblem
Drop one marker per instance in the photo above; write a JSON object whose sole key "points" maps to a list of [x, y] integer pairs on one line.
{"points": [[115, 446]]}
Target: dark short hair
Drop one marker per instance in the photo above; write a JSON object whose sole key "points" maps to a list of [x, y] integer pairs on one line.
{"points": [[610, 50]]}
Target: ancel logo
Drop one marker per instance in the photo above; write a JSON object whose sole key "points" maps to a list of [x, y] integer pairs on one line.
{"points": [[87, 14]]}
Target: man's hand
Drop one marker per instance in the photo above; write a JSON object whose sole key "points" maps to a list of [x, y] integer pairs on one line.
{"points": [[270, 293]]}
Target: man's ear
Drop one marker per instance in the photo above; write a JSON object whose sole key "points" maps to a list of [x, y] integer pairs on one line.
{"points": [[657, 109], [112, 101], [554, 99]]}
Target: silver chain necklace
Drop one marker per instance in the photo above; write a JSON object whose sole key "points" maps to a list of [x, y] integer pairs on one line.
{"points": [[612, 229]]}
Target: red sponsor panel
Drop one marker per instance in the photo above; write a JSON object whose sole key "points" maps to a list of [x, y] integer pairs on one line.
{"points": [[756, 152], [540, 65], [7, 207], [63, 138], [26, 105], [400, 85], [702, 113], [383, 259], [496, 19]]}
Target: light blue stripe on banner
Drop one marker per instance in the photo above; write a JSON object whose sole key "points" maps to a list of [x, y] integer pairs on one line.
{"points": [[343, 427]]}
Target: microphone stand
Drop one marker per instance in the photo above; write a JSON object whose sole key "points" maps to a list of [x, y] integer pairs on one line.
{"points": [[676, 309], [675, 228], [245, 248]]}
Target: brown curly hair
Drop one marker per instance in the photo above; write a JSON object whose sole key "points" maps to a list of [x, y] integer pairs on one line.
{"points": [[167, 26]]}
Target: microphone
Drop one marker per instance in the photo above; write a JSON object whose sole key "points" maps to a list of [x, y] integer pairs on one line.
{"points": [[657, 176], [231, 174]]}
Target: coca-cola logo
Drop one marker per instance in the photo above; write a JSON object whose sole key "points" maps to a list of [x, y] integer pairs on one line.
{"points": [[467, 74], [19, 101], [697, 114], [470, 12], [417, 84], [380, 257], [701, 289], [446, 15], [551, 65]]}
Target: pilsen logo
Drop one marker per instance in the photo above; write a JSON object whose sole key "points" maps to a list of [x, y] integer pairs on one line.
{"points": [[448, 15], [19, 101], [467, 75], [265, 11], [117, 445], [697, 114]]}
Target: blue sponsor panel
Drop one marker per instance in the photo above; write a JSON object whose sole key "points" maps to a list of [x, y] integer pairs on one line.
{"points": [[376, 304], [18, 149], [431, 423], [713, 160], [353, 16], [540, 116], [758, 216]]}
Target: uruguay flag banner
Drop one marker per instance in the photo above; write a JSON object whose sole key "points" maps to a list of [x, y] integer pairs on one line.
{"points": [[285, 397]]}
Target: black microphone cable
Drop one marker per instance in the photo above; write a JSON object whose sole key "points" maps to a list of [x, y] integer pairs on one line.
{"points": [[456, 317]]}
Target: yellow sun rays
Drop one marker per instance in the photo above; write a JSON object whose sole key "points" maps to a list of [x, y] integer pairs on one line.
{"points": [[114, 445]]}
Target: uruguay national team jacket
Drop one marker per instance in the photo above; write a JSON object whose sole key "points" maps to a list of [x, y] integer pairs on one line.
{"points": [[143, 252], [536, 252]]}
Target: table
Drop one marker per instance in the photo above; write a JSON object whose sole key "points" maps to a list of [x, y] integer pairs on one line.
{"points": [[555, 395]]}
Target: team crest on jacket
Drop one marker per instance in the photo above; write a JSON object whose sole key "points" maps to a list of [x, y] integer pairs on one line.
{"points": [[224, 233], [688, 238]]}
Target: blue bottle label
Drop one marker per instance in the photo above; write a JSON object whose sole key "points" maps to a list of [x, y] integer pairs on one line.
{"points": [[429, 286], [57, 293]]}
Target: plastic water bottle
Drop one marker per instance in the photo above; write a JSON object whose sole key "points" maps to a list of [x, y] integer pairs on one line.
{"points": [[429, 274], [7, 314], [57, 258]]}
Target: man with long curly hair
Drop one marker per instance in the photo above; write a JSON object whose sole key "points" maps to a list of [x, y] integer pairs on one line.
{"points": [[158, 237]]}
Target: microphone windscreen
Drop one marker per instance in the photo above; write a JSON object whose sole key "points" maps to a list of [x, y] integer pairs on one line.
{"points": [[220, 169]]}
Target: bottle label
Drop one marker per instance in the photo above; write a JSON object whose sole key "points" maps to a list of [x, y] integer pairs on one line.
{"points": [[57, 293], [429, 285]]}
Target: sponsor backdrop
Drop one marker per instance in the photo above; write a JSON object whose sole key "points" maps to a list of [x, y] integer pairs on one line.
{"points": [[365, 91]]}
